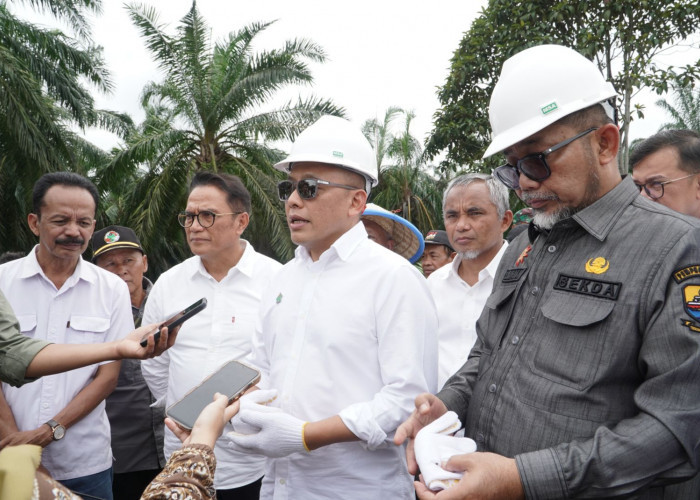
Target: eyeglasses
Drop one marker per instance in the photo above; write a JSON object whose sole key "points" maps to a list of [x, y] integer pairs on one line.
{"points": [[205, 218], [655, 189], [533, 166], [307, 188]]}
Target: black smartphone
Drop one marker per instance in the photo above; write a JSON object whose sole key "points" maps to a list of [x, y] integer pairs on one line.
{"points": [[232, 380], [178, 319]]}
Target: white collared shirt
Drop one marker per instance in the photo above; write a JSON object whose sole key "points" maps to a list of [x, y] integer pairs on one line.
{"points": [[459, 306], [221, 332], [352, 334], [92, 306]]}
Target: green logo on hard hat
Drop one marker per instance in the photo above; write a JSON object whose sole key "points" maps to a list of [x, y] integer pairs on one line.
{"points": [[338, 154], [552, 106]]}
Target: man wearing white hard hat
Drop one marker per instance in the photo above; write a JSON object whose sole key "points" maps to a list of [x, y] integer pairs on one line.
{"points": [[393, 232], [584, 378], [347, 336]]}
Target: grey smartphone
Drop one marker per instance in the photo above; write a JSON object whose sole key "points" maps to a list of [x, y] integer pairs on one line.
{"points": [[232, 380], [178, 319]]}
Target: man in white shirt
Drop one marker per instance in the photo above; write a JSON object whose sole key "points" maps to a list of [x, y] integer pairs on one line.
{"points": [[58, 297], [347, 336], [232, 276], [475, 211]]}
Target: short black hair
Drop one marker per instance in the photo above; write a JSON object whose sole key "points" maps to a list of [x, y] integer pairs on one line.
{"points": [[237, 195], [49, 180], [685, 142]]}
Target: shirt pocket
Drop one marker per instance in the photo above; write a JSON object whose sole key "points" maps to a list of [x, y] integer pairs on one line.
{"points": [[27, 324], [568, 352], [88, 329]]}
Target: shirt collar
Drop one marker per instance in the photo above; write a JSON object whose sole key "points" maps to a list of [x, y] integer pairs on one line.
{"points": [[31, 267], [599, 218], [489, 270], [245, 265], [343, 247]]}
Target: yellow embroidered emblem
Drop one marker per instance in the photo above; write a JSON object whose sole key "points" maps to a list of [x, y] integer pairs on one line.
{"points": [[599, 265]]}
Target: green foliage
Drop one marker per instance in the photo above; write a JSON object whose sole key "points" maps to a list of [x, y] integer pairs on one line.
{"points": [[406, 186], [622, 36], [210, 112], [42, 95], [685, 111]]}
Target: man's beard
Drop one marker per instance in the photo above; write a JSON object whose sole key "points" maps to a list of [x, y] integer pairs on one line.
{"points": [[546, 220], [469, 254]]}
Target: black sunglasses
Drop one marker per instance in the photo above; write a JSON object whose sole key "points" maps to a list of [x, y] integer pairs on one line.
{"points": [[533, 166], [307, 188]]}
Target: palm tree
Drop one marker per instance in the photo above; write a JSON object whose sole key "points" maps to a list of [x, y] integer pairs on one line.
{"points": [[405, 186], [43, 94], [216, 97], [685, 112]]}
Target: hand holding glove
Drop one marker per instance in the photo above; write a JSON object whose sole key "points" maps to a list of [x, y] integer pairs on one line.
{"points": [[266, 430], [434, 445]]}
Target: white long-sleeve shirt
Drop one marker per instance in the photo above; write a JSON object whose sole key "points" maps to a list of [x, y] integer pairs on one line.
{"points": [[459, 306], [221, 332], [92, 306], [352, 334]]}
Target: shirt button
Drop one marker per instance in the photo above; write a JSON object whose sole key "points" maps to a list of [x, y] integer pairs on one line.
{"points": [[535, 290], [480, 438], [282, 481], [45, 405], [551, 248], [515, 340], [492, 388]]}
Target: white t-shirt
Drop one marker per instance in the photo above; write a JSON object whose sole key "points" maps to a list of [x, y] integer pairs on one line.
{"points": [[459, 306], [92, 306], [221, 332], [352, 334]]}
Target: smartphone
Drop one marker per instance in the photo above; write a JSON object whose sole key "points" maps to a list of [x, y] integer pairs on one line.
{"points": [[178, 319], [232, 380]]}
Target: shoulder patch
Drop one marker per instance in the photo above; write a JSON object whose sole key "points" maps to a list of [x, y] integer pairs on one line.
{"points": [[691, 304], [587, 286], [686, 273]]}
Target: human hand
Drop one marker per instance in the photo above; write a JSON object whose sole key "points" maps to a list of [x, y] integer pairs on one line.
{"points": [[266, 430], [41, 436], [486, 476], [130, 346], [209, 424], [428, 408]]}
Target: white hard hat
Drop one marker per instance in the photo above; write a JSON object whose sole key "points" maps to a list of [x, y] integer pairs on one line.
{"points": [[408, 240], [537, 87], [335, 141]]}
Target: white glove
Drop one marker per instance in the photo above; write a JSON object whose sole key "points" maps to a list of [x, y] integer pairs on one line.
{"points": [[253, 398], [434, 445], [265, 430]]}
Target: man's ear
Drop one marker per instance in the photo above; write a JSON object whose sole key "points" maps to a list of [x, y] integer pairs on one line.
{"points": [[33, 222], [242, 222], [608, 143], [358, 202], [506, 221], [145, 263]]}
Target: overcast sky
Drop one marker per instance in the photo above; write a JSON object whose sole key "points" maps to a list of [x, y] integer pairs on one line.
{"points": [[381, 53]]}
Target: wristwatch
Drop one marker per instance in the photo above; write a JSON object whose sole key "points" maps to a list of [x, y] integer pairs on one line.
{"points": [[57, 429]]}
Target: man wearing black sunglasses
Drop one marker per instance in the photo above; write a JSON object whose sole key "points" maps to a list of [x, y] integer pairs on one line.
{"points": [[347, 337], [584, 379]]}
